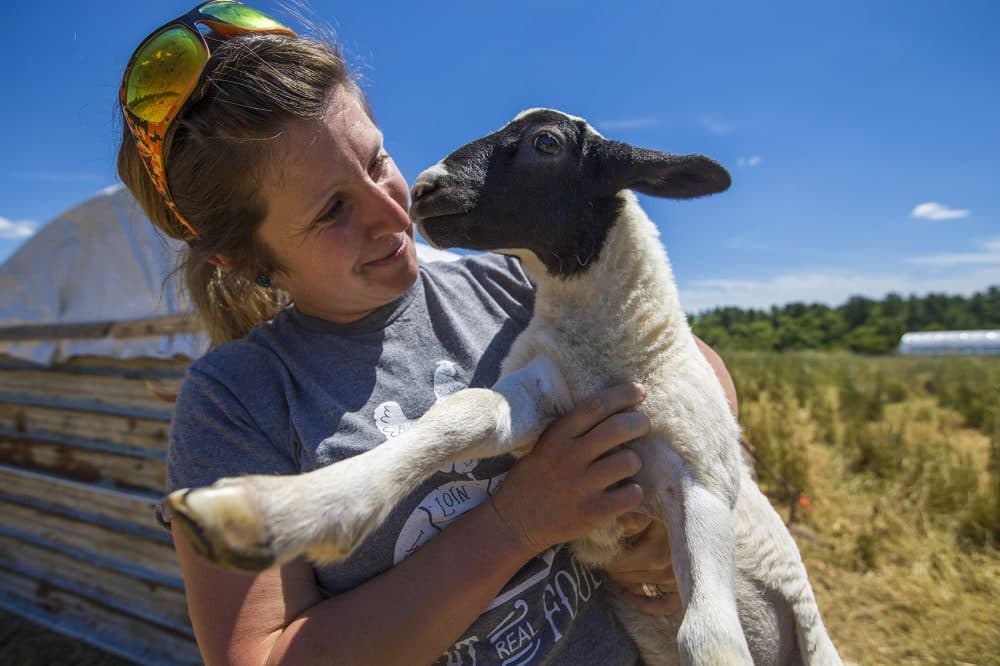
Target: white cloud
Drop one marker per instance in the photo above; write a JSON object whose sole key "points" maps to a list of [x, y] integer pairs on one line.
{"points": [[716, 125], [752, 161], [638, 122], [989, 255], [936, 211], [833, 286], [10, 229]]}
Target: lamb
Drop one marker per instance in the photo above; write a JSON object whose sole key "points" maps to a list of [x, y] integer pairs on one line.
{"points": [[552, 191]]}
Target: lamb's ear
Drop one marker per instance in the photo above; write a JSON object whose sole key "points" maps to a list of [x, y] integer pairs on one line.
{"points": [[662, 174]]}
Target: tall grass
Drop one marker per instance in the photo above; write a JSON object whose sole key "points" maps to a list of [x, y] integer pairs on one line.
{"points": [[900, 462], [842, 401]]}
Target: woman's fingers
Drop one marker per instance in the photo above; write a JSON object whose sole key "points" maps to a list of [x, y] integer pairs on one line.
{"points": [[613, 431], [650, 552], [570, 484], [614, 467], [615, 501], [633, 523], [590, 412], [647, 561]]}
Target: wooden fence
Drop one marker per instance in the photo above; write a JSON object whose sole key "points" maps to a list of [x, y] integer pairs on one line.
{"points": [[82, 447]]}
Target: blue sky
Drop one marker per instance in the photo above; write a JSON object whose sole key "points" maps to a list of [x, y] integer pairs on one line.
{"points": [[862, 136]]}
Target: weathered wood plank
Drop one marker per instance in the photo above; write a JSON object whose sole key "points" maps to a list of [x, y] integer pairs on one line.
{"points": [[108, 465], [119, 392], [137, 547], [81, 467], [48, 332], [149, 597], [57, 605], [105, 365], [149, 434], [166, 390], [126, 506], [133, 328], [140, 367], [166, 325], [160, 414]]}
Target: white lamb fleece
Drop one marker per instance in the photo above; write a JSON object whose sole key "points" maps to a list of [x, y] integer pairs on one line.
{"points": [[619, 320], [622, 320]]}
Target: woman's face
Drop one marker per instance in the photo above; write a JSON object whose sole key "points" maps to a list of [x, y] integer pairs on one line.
{"points": [[337, 216]]}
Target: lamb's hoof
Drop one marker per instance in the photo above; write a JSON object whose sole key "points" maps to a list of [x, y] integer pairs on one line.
{"points": [[224, 526]]}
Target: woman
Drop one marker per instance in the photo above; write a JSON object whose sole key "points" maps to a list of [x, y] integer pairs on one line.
{"points": [[329, 338]]}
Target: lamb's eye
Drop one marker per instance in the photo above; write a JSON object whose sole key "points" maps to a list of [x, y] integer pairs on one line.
{"points": [[547, 143]]}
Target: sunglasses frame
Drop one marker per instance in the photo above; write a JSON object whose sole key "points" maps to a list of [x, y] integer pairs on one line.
{"points": [[152, 139]]}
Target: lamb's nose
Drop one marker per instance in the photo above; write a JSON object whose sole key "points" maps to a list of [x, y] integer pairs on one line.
{"points": [[430, 180], [424, 185]]}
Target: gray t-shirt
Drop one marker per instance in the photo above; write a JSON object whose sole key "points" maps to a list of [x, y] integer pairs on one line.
{"points": [[299, 392]]}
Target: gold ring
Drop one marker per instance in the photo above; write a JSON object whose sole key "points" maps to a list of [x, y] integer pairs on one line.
{"points": [[651, 590]]}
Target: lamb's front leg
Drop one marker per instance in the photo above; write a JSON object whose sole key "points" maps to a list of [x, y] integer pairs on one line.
{"points": [[250, 523], [702, 547]]}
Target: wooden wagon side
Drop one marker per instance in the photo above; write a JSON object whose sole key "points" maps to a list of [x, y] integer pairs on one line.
{"points": [[82, 447]]}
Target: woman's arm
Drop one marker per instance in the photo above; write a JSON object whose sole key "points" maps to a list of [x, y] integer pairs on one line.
{"points": [[558, 492], [721, 373], [280, 616]]}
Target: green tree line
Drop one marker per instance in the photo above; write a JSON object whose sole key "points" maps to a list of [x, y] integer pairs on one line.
{"points": [[861, 324]]}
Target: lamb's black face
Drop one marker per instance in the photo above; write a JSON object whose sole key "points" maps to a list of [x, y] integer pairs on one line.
{"points": [[548, 183]]}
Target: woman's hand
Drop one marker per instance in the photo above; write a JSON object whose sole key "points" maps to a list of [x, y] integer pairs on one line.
{"points": [[570, 482], [646, 561]]}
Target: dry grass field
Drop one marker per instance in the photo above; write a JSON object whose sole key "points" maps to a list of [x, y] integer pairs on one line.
{"points": [[900, 524]]}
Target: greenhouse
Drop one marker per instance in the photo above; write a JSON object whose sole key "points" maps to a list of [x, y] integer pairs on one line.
{"points": [[970, 343]]}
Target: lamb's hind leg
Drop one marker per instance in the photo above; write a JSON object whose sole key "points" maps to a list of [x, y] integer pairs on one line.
{"points": [[771, 556], [253, 522], [702, 547]]}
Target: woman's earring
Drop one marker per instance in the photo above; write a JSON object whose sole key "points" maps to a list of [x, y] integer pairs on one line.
{"points": [[264, 281]]}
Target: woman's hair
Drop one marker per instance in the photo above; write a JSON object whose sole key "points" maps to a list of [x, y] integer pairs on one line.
{"points": [[255, 87]]}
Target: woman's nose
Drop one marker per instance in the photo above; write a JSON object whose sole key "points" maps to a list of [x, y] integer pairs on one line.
{"points": [[385, 209]]}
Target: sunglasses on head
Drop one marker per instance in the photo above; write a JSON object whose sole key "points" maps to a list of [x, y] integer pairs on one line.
{"points": [[166, 69]]}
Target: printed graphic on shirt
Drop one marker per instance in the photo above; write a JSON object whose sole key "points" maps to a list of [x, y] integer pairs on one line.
{"points": [[446, 380], [392, 422], [526, 633], [450, 500], [515, 640], [535, 619], [439, 509]]}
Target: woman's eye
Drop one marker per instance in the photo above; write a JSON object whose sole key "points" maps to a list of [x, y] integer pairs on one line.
{"points": [[378, 166], [546, 143], [332, 212]]}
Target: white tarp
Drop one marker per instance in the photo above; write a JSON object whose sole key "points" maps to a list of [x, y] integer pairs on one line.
{"points": [[101, 261]]}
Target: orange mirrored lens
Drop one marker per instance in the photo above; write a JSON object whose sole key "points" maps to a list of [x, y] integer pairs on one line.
{"points": [[242, 17], [164, 72]]}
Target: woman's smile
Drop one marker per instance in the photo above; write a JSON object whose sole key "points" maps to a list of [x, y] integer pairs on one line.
{"points": [[398, 252]]}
